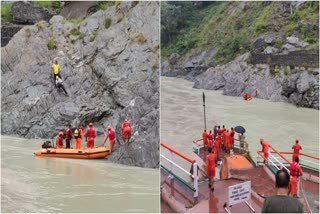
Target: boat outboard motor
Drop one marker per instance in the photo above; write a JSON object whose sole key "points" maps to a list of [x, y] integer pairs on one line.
{"points": [[46, 145]]}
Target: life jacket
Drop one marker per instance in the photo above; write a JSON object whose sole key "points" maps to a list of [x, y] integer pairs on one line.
{"points": [[91, 132], [68, 133], [294, 169], [111, 134], [76, 133], [126, 124], [232, 133], [210, 136], [59, 141]]}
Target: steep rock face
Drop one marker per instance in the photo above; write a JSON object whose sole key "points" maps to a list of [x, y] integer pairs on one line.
{"points": [[109, 74], [297, 86]]}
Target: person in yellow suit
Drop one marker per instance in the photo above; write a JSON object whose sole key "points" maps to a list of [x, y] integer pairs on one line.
{"points": [[56, 71]]}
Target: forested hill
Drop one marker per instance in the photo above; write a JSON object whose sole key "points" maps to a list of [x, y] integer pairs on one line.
{"points": [[232, 27]]}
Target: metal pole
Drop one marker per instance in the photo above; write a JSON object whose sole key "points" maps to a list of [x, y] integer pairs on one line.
{"points": [[195, 179], [204, 110]]}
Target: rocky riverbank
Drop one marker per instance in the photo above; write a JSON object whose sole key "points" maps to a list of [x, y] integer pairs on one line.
{"points": [[279, 75], [109, 65]]}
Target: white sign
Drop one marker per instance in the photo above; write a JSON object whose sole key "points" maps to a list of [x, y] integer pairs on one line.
{"points": [[239, 193]]}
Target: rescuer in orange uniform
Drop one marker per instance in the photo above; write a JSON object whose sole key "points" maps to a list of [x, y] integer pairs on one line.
{"points": [[296, 147], [224, 135], [211, 161], [218, 143], [265, 149], [91, 134], [59, 141], [227, 141], [112, 136], [77, 136], [210, 135], [295, 172], [126, 130], [205, 138]]}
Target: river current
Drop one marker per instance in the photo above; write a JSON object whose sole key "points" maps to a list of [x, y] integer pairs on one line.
{"points": [[182, 118], [41, 184]]}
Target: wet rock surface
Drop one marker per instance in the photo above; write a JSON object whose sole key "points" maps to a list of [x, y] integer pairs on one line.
{"points": [[109, 74], [295, 85]]}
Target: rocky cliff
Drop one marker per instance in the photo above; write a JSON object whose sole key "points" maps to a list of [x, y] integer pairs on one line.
{"points": [[109, 65]]}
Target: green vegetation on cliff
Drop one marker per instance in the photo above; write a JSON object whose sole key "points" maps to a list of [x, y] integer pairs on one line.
{"points": [[231, 27]]}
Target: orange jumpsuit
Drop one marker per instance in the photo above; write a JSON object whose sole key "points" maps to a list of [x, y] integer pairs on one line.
{"points": [[126, 129], [59, 142], [265, 149], [296, 147], [210, 143], [205, 138], [111, 135], [227, 140], [211, 164], [91, 135]]}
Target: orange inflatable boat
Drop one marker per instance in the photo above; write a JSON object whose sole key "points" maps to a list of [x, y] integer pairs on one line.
{"points": [[247, 97], [84, 153]]}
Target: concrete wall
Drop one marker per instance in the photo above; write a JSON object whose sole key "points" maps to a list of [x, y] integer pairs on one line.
{"points": [[296, 58]]}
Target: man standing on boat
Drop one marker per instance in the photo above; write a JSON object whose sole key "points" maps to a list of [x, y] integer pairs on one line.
{"points": [[59, 141], [90, 135], [112, 136], [295, 172], [296, 147], [282, 202], [77, 136], [126, 131], [211, 161], [68, 136], [265, 149]]}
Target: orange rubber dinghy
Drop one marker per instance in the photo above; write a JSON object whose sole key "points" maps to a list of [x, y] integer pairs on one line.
{"points": [[85, 153], [247, 97]]}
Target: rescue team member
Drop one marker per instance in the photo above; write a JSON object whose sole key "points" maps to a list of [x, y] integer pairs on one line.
{"points": [[215, 132], [219, 131], [59, 141], [68, 136], [224, 135], [232, 137], [282, 202], [112, 136], [211, 161], [217, 147], [295, 172], [296, 147], [227, 141], [56, 70], [126, 130], [205, 138], [80, 129], [210, 135], [265, 149], [77, 136], [90, 136]]}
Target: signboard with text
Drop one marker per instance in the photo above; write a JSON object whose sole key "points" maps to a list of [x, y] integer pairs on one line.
{"points": [[239, 193]]}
